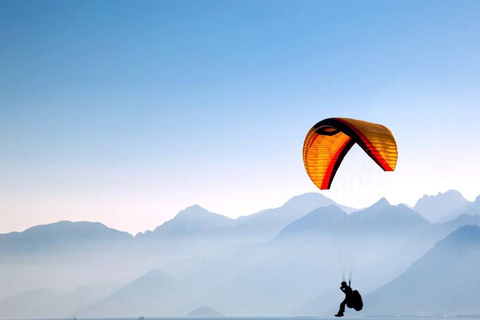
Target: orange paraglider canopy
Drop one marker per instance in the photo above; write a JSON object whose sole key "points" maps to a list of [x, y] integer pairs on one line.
{"points": [[329, 141]]}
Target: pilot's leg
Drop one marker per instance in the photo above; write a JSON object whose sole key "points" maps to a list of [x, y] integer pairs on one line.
{"points": [[342, 309]]}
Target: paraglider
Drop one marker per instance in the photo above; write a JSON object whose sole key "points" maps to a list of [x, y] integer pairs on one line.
{"points": [[325, 147], [328, 142]]}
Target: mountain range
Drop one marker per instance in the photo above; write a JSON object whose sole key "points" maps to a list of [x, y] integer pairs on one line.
{"points": [[275, 262], [445, 206], [62, 237]]}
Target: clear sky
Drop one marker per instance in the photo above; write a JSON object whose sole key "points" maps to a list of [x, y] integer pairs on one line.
{"points": [[126, 112]]}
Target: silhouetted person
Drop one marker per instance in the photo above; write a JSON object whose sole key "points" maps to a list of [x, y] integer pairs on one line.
{"points": [[353, 299]]}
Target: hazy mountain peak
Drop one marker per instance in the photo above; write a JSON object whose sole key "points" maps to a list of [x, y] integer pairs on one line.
{"points": [[448, 193], [65, 224], [193, 211], [192, 218], [383, 202], [391, 220], [71, 228], [313, 200], [438, 207], [60, 237], [309, 197], [463, 237], [198, 214], [205, 312]]}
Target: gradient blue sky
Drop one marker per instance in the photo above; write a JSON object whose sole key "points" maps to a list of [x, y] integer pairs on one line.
{"points": [[126, 112]]}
